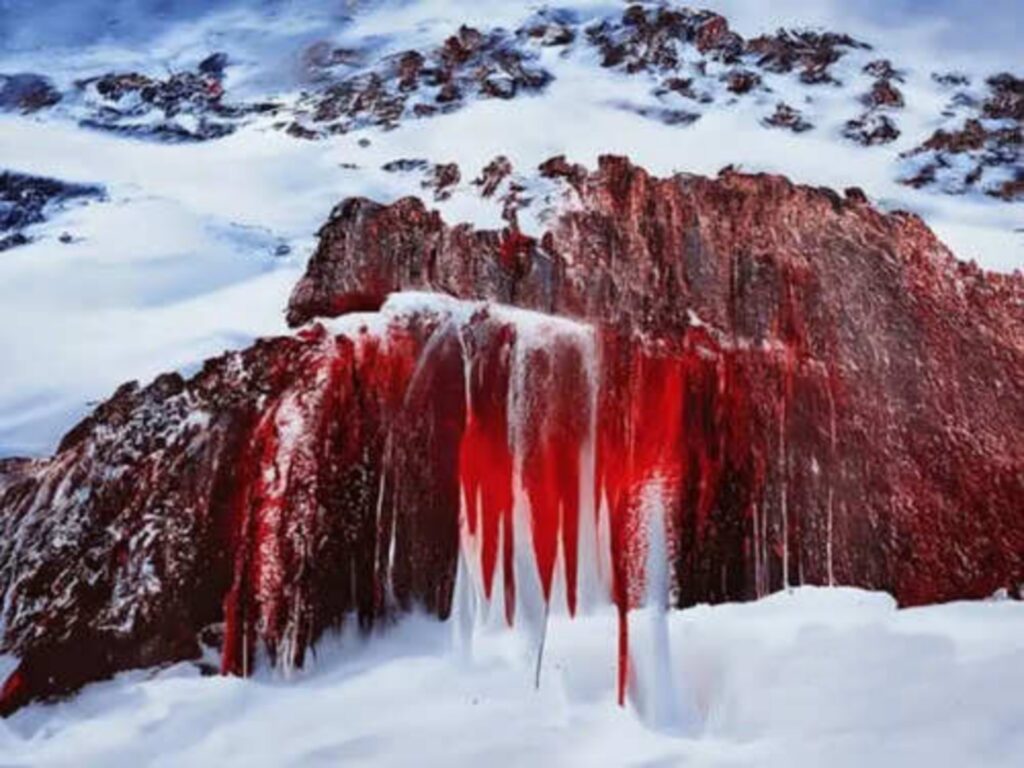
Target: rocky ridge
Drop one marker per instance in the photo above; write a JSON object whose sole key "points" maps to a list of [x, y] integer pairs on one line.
{"points": [[692, 59]]}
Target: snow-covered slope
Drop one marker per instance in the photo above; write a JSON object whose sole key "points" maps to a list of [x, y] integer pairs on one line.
{"points": [[815, 677]]}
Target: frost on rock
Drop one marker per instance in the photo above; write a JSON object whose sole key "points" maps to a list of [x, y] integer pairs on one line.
{"points": [[876, 125], [775, 384]]}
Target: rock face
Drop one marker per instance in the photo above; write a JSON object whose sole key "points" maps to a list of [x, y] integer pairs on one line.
{"points": [[785, 384], [849, 334]]}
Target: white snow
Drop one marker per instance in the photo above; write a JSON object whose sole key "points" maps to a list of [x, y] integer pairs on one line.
{"points": [[814, 677]]}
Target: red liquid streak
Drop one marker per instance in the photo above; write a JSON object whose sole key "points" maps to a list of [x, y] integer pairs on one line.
{"points": [[486, 461], [671, 423], [555, 421], [639, 442]]}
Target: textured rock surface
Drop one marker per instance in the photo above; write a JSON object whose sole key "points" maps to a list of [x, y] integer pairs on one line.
{"points": [[185, 106], [470, 64], [787, 117], [185, 505], [876, 125], [690, 52], [789, 385], [904, 367]]}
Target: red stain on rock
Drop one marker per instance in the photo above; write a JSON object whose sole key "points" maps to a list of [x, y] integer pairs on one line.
{"points": [[789, 386]]}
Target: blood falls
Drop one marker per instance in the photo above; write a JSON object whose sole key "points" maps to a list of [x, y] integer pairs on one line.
{"points": [[774, 384]]}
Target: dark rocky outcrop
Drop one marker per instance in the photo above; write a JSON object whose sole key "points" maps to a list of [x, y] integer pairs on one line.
{"points": [[27, 92], [985, 152], [185, 106], [469, 65], [26, 200], [787, 117], [810, 53], [872, 128], [876, 125]]}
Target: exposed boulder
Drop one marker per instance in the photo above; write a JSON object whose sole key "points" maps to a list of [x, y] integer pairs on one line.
{"points": [[186, 106], [787, 117], [872, 128], [810, 53]]}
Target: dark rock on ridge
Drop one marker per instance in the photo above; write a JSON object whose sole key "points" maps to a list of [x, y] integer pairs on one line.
{"points": [[27, 92], [27, 200], [986, 152]]}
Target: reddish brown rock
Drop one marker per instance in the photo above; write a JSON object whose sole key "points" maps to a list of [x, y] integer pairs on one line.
{"points": [[872, 128], [186, 106], [442, 179], [742, 81], [1006, 98], [492, 176], [648, 38], [871, 312], [811, 53], [884, 94], [193, 508], [787, 117], [713, 34], [815, 391]]}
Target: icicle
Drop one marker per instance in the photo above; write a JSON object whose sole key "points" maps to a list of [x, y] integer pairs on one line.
{"points": [[540, 648], [662, 703]]}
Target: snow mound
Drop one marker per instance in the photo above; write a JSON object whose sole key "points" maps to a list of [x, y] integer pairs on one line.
{"points": [[806, 678]]}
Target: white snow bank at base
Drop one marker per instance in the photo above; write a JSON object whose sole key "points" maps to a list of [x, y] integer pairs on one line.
{"points": [[810, 678]]}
